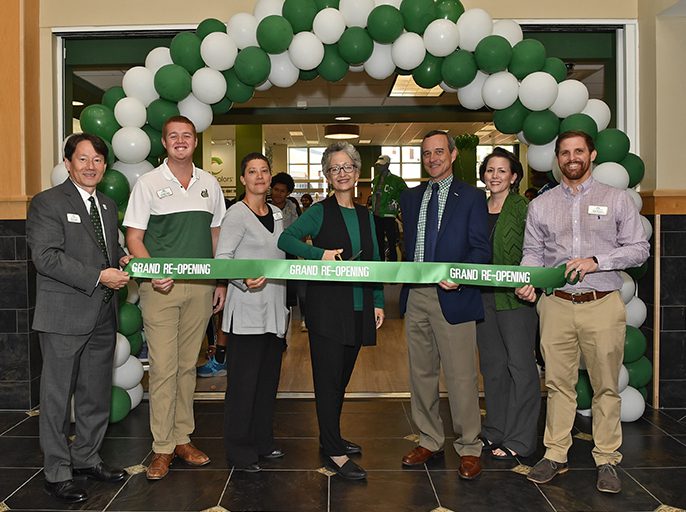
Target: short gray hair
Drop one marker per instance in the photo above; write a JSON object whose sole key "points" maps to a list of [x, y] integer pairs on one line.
{"points": [[451, 141], [337, 147]]}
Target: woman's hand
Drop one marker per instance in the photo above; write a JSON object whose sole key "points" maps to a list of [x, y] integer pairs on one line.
{"points": [[163, 285], [255, 284], [330, 254], [379, 316]]}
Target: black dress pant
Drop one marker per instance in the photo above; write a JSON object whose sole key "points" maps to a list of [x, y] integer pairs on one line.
{"points": [[253, 369]]}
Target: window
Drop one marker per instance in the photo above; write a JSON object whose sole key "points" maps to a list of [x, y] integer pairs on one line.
{"points": [[406, 161], [304, 165]]}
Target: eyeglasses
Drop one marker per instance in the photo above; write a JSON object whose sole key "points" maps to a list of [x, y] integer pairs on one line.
{"points": [[334, 170]]}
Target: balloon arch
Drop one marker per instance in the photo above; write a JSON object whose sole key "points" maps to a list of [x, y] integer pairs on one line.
{"points": [[486, 63]]}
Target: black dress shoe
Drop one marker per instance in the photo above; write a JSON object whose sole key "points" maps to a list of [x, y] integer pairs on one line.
{"points": [[101, 472], [349, 470], [274, 454], [351, 448], [66, 491], [250, 468]]}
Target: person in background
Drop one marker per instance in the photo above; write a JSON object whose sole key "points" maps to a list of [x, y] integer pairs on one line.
{"points": [[341, 316], [531, 193], [282, 185], [507, 335], [386, 190], [306, 201]]}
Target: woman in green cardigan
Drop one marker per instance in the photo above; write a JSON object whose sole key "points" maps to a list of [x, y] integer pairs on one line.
{"points": [[506, 337]]}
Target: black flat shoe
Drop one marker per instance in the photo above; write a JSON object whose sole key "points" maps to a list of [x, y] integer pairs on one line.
{"points": [[101, 472], [274, 454], [349, 470], [250, 468], [352, 448], [66, 491]]}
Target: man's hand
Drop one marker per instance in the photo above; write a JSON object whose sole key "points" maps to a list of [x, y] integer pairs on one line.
{"points": [[163, 285], [114, 278], [255, 284], [580, 267], [219, 298], [448, 285], [124, 260], [526, 292]]}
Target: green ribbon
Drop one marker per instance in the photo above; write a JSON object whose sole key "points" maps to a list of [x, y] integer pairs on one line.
{"points": [[350, 271]]}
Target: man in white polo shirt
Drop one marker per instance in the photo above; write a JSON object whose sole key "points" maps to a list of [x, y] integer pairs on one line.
{"points": [[175, 211]]}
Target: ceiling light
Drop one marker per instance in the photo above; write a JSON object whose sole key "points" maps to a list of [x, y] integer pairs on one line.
{"points": [[405, 86], [342, 118], [76, 103], [342, 131], [295, 133], [365, 141]]}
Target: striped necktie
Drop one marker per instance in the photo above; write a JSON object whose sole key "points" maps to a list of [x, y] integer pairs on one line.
{"points": [[100, 237]]}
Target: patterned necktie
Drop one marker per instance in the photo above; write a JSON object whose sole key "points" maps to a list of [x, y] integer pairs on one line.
{"points": [[97, 226], [431, 228]]}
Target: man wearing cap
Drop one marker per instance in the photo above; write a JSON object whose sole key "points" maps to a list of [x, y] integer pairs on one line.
{"points": [[386, 190]]}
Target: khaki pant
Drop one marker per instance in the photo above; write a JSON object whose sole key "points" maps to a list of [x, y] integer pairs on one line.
{"points": [[597, 330], [175, 325]]}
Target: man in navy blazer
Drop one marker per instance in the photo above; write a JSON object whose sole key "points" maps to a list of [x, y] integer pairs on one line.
{"points": [[440, 320]]}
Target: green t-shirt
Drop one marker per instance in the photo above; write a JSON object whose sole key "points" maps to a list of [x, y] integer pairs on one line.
{"points": [[386, 190]]}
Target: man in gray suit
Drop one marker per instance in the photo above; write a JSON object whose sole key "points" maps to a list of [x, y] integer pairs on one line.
{"points": [[72, 233]]}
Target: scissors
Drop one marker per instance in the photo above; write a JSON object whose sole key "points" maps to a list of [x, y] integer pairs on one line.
{"points": [[353, 257]]}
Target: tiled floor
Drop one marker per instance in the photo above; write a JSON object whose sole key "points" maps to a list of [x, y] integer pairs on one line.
{"points": [[653, 471]]}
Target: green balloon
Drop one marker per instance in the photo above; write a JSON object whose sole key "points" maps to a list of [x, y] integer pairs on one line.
{"points": [[130, 319], [274, 34], [332, 67], [185, 51], [120, 404], [385, 24], [541, 127], [644, 392], [493, 54], [122, 293], [112, 95], [206, 27], [99, 120], [173, 82], [428, 73], [638, 272], [111, 158], [555, 67], [309, 74], [612, 145], [459, 68], [355, 45], [528, 56], [252, 66], [449, 9], [155, 136], [635, 167], [121, 212], [584, 391], [511, 119], [417, 14], [237, 91], [222, 107], [323, 4], [634, 344], [136, 342], [640, 372], [581, 123], [115, 186], [300, 14], [159, 111]]}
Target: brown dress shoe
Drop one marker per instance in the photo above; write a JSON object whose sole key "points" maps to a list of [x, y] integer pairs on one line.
{"points": [[470, 467], [191, 455], [159, 466], [419, 455]]}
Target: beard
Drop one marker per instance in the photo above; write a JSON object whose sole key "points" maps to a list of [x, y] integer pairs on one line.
{"points": [[577, 172]]}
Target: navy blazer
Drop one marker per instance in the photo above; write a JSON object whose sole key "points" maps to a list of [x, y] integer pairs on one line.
{"points": [[462, 238]]}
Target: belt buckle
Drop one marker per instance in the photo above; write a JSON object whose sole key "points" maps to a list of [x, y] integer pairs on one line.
{"points": [[578, 294]]}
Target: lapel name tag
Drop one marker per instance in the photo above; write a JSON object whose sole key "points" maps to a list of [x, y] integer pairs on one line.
{"points": [[73, 217], [164, 192], [278, 216], [597, 210]]}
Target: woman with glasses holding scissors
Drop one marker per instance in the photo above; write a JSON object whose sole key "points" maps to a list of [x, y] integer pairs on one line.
{"points": [[341, 316]]}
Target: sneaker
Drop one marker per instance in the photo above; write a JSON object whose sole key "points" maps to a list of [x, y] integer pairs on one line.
{"points": [[212, 368], [608, 480], [545, 470], [303, 327]]}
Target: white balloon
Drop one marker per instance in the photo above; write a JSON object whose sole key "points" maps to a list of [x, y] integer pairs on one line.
{"points": [[441, 37], [208, 85], [158, 57], [470, 95], [218, 51], [283, 72], [264, 86], [538, 91], [130, 144], [122, 350], [394, 3], [129, 374], [585, 412], [264, 8], [132, 295], [541, 158], [500, 90], [136, 395], [328, 25], [408, 50], [130, 111], [242, 27], [306, 51], [198, 112], [356, 69], [356, 12], [633, 404], [474, 25], [628, 289], [121, 239], [572, 97], [647, 227], [59, 174], [139, 82], [636, 198], [557, 173], [636, 312], [509, 29], [446, 87], [521, 138], [599, 111], [133, 171], [380, 64], [623, 380], [611, 173]]}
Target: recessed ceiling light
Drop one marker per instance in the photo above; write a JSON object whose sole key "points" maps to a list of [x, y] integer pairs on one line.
{"points": [[416, 141], [365, 141], [312, 142], [295, 134], [343, 118], [76, 103]]}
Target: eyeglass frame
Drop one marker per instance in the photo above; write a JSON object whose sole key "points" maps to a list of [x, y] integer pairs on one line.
{"points": [[341, 168]]}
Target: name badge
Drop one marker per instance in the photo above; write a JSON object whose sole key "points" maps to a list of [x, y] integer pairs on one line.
{"points": [[74, 217], [164, 192], [597, 210], [278, 216]]}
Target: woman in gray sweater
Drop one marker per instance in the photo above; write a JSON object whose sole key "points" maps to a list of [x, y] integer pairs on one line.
{"points": [[255, 318]]}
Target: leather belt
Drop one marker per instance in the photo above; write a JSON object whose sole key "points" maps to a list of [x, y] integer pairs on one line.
{"points": [[580, 297]]}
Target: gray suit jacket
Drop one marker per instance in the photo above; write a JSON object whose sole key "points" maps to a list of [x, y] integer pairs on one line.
{"points": [[68, 258]]}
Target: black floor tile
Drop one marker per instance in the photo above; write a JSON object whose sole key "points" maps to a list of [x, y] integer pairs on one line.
{"points": [[373, 425], [26, 428], [650, 451], [301, 424], [208, 424], [123, 453], [12, 479], [9, 419], [665, 422], [667, 485], [20, 452], [136, 423], [296, 405], [675, 414]]}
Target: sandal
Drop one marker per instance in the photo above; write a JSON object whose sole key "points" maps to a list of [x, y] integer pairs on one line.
{"points": [[486, 444], [507, 453]]}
